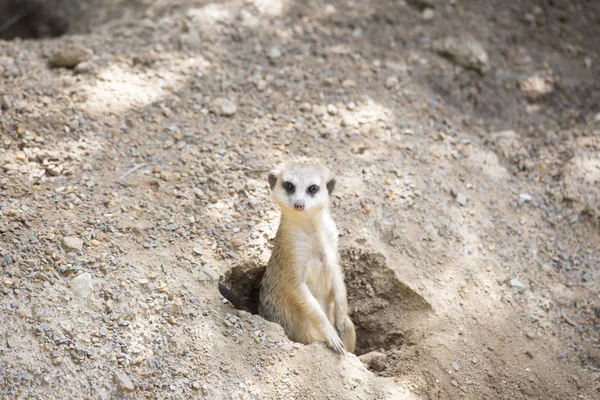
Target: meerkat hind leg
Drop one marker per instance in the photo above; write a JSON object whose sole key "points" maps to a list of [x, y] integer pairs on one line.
{"points": [[349, 335]]}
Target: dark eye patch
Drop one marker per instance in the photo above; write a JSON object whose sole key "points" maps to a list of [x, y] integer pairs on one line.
{"points": [[289, 187], [312, 189]]}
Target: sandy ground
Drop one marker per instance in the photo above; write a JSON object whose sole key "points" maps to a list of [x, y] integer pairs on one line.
{"points": [[465, 136]]}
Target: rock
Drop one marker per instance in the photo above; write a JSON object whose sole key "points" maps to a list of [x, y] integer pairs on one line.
{"points": [[86, 67], [391, 82], [6, 102], [466, 52], [331, 109], [261, 85], [274, 53], [198, 192], [568, 319], [398, 67], [224, 107], [523, 198], [304, 107], [461, 199], [536, 86], [581, 185], [69, 56], [146, 58], [124, 383], [428, 14], [10, 167], [55, 170], [586, 277], [371, 356], [517, 285], [593, 357], [197, 251], [509, 144], [348, 121], [455, 366], [72, 243], [82, 285], [237, 242]]}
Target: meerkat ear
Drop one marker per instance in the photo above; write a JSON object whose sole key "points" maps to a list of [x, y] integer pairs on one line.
{"points": [[272, 179], [330, 186]]}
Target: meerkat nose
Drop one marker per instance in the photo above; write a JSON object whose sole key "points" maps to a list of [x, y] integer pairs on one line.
{"points": [[299, 206]]}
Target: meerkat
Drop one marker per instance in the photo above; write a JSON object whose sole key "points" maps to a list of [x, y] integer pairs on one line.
{"points": [[303, 286]]}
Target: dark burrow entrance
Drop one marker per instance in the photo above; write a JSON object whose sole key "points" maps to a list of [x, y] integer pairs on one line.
{"points": [[35, 19], [385, 311], [32, 19]]}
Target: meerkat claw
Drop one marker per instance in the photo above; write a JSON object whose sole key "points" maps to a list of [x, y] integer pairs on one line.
{"points": [[337, 345]]}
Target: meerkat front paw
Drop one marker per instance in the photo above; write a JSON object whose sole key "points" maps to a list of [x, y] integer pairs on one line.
{"points": [[335, 343]]}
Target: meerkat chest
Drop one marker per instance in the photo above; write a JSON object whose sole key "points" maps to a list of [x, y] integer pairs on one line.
{"points": [[317, 256]]}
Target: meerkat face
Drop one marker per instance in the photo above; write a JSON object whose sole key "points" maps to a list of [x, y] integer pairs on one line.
{"points": [[301, 188]]}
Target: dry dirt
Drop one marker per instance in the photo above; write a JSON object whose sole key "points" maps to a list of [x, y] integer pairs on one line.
{"points": [[465, 135]]}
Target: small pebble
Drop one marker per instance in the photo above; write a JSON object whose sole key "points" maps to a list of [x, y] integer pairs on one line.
{"points": [[517, 285], [124, 383], [391, 82], [224, 107], [461, 199], [82, 285], [69, 56], [237, 242], [72, 243], [428, 14]]}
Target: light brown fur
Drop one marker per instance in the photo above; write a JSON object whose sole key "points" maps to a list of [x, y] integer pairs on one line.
{"points": [[303, 287]]}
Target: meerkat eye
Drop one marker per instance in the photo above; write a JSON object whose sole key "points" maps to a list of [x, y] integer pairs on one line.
{"points": [[289, 187], [312, 189]]}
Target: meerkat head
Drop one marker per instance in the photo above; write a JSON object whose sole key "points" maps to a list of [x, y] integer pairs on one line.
{"points": [[301, 187]]}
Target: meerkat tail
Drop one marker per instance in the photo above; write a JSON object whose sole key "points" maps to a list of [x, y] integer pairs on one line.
{"points": [[233, 298]]}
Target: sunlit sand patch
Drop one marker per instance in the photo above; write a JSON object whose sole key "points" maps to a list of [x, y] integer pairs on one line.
{"points": [[210, 14], [271, 8], [119, 88]]}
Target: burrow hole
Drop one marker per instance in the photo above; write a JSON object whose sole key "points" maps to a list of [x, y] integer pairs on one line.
{"points": [[383, 309]]}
